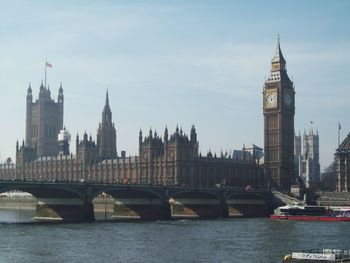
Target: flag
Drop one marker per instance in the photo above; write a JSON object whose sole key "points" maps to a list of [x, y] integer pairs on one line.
{"points": [[339, 126], [48, 64]]}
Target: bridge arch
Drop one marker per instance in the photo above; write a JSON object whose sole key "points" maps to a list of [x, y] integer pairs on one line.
{"points": [[247, 204], [55, 202], [196, 204], [132, 203]]}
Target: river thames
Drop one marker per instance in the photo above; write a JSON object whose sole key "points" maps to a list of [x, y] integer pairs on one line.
{"points": [[221, 240]]}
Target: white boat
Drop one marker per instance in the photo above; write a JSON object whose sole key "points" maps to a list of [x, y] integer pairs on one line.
{"points": [[321, 255]]}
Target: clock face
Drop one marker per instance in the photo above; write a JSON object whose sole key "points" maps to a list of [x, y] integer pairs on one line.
{"points": [[271, 100], [288, 100]]}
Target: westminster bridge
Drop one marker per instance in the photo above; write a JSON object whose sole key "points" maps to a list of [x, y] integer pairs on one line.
{"points": [[73, 201]]}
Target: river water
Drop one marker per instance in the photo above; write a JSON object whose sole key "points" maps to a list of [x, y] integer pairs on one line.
{"points": [[222, 240]]}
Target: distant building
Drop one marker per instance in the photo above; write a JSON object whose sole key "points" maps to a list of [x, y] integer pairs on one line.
{"points": [[307, 160], [342, 157], [172, 159], [107, 134], [254, 153], [44, 120]]}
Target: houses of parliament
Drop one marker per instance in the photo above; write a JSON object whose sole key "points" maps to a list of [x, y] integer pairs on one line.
{"points": [[170, 159]]}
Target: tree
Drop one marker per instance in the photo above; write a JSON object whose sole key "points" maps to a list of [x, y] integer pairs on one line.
{"points": [[329, 177]]}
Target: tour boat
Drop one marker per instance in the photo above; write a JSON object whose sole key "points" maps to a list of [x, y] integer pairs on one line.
{"points": [[312, 213], [320, 255]]}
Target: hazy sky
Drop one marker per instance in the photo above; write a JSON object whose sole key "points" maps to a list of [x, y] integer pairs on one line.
{"points": [[176, 62]]}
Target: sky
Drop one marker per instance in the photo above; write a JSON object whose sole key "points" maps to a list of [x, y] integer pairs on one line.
{"points": [[169, 63]]}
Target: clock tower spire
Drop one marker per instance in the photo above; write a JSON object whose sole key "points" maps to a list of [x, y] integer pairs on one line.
{"points": [[279, 109]]}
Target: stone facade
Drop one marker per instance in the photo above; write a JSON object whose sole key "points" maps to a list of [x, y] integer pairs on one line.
{"points": [[342, 157], [44, 120], [172, 160], [307, 160], [106, 134], [278, 109]]}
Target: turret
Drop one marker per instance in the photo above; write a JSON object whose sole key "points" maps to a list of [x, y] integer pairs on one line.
{"points": [[60, 97], [140, 137], [42, 90], [29, 103], [77, 141], [29, 95], [166, 135], [193, 134], [150, 133]]}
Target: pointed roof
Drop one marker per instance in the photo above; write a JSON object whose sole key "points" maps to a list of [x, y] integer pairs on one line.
{"points": [[278, 57], [106, 108], [345, 145], [29, 88], [107, 99], [278, 70], [42, 86]]}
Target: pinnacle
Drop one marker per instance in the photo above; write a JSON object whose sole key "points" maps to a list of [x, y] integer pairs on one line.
{"points": [[107, 99], [278, 57]]}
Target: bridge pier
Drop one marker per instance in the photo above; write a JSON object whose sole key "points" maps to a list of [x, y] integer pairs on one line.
{"points": [[64, 209]]}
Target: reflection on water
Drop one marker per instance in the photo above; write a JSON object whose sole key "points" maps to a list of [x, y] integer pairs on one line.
{"points": [[16, 215], [20, 215]]}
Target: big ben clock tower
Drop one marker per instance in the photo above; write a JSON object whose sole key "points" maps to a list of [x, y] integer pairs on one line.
{"points": [[279, 108]]}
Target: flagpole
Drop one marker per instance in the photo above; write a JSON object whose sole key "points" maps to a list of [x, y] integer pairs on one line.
{"points": [[338, 134], [45, 71]]}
